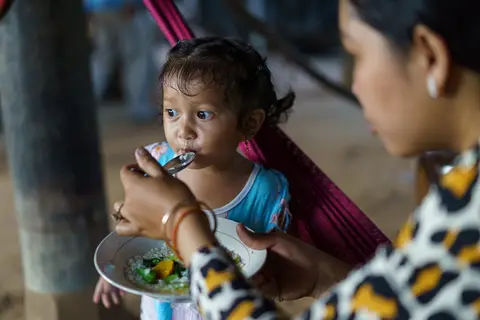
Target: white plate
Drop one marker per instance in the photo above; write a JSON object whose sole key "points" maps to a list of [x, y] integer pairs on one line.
{"points": [[114, 251]]}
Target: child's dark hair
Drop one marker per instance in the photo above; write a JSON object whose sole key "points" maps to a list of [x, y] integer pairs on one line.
{"points": [[234, 67]]}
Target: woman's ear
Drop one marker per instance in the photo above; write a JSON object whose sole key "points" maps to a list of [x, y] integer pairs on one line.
{"points": [[252, 123], [432, 52]]}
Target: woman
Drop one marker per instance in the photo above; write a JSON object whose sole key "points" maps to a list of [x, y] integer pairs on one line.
{"points": [[417, 74]]}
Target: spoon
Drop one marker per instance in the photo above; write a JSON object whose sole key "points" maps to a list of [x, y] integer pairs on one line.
{"points": [[179, 163]]}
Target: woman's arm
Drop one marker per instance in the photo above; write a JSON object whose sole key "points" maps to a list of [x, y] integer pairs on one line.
{"points": [[219, 288], [221, 291]]}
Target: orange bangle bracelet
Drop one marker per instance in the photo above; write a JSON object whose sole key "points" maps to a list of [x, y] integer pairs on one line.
{"points": [[187, 209], [173, 211], [177, 225]]}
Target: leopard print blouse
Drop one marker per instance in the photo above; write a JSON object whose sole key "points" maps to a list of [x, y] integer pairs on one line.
{"points": [[431, 271]]}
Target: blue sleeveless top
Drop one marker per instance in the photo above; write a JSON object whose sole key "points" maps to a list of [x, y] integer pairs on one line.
{"points": [[262, 205]]}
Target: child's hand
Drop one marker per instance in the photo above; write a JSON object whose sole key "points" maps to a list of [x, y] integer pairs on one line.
{"points": [[107, 293]]}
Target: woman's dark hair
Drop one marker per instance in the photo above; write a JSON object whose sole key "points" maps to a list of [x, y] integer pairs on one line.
{"points": [[456, 21], [232, 66]]}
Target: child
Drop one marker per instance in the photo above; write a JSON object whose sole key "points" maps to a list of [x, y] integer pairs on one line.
{"points": [[217, 93]]}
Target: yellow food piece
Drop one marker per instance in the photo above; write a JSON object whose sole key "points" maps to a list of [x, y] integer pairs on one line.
{"points": [[164, 268]]}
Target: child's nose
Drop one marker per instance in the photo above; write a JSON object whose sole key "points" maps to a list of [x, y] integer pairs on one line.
{"points": [[187, 131]]}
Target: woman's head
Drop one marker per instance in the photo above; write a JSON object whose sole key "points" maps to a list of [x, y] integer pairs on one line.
{"points": [[215, 93], [416, 70]]}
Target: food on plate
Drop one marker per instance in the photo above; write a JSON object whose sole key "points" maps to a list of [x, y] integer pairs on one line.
{"points": [[160, 270]]}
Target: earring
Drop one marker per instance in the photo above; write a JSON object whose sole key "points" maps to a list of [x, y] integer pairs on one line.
{"points": [[246, 146], [432, 87]]}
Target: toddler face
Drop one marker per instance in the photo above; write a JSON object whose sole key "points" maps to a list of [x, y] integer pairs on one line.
{"points": [[200, 122]]}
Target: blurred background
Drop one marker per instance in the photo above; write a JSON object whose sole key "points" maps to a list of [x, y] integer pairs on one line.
{"points": [[325, 124]]}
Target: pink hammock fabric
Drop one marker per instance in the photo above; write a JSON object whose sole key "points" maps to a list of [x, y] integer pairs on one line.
{"points": [[322, 214]]}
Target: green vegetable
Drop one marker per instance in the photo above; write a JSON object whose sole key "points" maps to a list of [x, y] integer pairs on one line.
{"points": [[235, 257], [170, 278], [147, 274], [171, 257], [178, 269], [150, 263]]}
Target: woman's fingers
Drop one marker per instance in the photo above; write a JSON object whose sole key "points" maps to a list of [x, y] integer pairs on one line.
{"points": [[117, 206], [259, 279], [129, 175], [148, 163], [117, 213], [126, 228], [267, 285]]}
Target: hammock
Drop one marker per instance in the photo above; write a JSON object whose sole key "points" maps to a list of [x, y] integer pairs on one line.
{"points": [[322, 214]]}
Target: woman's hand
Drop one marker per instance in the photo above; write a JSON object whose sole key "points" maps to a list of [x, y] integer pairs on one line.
{"points": [[148, 199], [294, 269]]}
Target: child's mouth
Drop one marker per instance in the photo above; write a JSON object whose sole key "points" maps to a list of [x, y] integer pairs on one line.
{"points": [[185, 150]]}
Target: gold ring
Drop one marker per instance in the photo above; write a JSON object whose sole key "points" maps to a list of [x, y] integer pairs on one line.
{"points": [[117, 216]]}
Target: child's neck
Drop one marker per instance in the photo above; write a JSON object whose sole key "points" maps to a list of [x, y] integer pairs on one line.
{"points": [[218, 185]]}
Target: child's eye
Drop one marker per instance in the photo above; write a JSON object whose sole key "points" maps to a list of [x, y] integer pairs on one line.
{"points": [[205, 115], [171, 113]]}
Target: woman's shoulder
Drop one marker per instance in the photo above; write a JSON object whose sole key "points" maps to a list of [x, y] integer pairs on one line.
{"points": [[161, 151], [448, 217]]}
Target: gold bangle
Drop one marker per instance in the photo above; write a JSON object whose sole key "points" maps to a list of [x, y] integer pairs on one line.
{"points": [[166, 217]]}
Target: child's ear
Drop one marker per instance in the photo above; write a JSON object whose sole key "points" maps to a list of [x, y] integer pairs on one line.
{"points": [[253, 122]]}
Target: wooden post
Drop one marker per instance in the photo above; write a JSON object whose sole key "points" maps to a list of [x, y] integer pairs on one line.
{"points": [[53, 151]]}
